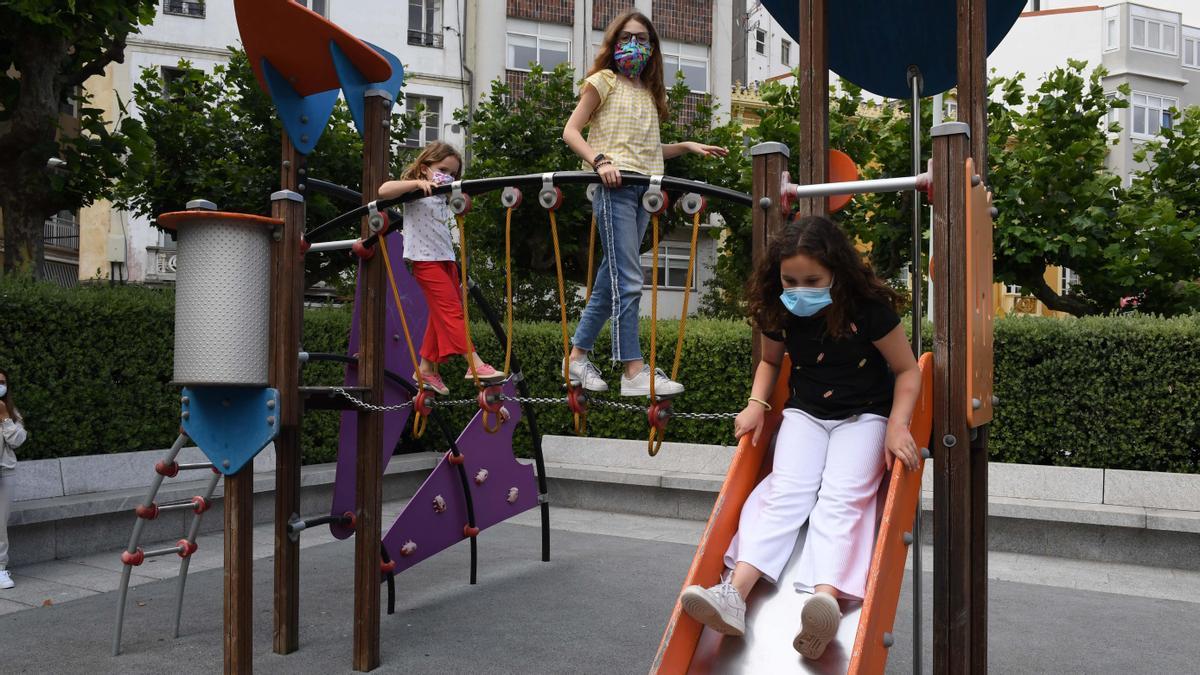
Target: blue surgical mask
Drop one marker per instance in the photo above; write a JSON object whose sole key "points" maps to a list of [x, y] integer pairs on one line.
{"points": [[3, 390], [803, 301]]}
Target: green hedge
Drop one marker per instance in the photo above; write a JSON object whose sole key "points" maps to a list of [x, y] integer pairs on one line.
{"points": [[91, 369]]}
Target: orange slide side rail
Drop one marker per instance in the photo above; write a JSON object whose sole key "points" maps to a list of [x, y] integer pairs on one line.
{"points": [[682, 634]]}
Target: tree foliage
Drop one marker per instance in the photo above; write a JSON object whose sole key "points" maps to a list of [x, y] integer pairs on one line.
{"points": [[48, 49], [217, 136]]}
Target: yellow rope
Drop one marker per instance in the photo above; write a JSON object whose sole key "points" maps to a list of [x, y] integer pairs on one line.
{"points": [[418, 427], [580, 425]]}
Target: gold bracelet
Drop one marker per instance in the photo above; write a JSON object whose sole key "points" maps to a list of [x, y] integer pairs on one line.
{"points": [[764, 403]]}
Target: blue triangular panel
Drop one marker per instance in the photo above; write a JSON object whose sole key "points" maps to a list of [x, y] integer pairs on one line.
{"points": [[304, 117], [355, 86]]}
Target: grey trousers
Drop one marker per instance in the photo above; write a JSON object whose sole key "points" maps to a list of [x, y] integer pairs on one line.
{"points": [[6, 492]]}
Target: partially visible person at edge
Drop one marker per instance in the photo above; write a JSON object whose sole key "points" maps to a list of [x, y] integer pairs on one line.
{"points": [[12, 435], [622, 102]]}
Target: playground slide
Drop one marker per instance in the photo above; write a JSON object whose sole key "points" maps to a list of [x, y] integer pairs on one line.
{"points": [[773, 612]]}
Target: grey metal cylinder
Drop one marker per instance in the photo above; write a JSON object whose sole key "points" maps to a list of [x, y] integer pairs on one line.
{"points": [[222, 297]]}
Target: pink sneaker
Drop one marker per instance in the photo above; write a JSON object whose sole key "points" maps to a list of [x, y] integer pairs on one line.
{"points": [[486, 373], [432, 382]]}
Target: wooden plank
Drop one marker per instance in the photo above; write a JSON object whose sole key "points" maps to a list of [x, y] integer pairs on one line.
{"points": [[239, 563], [768, 162], [368, 475], [972, 77], [813, 150], [952, 459], [287, 302], [979, 551]]}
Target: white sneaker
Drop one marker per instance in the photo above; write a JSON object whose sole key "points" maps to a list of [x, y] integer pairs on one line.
{"points": [[639, 384], [818, 625], [584, 372], [6, 580], [721, 608]]}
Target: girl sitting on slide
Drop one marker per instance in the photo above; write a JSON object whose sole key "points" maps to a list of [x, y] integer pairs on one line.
{"points": [[853, 386]]}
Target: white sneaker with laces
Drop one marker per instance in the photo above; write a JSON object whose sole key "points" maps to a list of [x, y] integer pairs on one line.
{"points": [[584, 372], [818, 625], [6, 579], [721, 608], [639, 384]]}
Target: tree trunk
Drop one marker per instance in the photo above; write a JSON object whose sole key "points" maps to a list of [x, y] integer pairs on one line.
{"points": [[1059, 303], [23, 233]]}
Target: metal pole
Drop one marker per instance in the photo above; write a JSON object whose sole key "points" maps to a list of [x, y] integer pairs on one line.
{"points": [[938, 112], [853, 187], [338, 245], [915, 80]]}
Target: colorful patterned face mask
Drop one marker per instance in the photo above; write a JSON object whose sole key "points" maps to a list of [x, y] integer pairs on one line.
{"points": [[440, 178], [632, 57]]}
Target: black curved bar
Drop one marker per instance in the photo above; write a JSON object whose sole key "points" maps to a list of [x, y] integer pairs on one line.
{"points": [[390, 578], [345, 194], [482, 185]]}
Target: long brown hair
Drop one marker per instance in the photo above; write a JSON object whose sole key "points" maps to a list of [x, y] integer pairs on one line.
{"points": [[7, 398], [652, 75], [432, 154], [854, 282]]}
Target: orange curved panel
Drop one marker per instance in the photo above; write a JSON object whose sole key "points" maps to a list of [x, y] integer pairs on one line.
{"points": [[296, 40], [683, 633], [173, 219], [842, 169], [869, 655]]}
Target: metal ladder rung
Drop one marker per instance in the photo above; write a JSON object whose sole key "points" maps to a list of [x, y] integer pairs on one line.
{"points": [[174, 506], [162, 551], [196, 466]]}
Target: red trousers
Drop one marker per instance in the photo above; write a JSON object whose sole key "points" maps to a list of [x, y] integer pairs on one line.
{"points": [[445, 332]]}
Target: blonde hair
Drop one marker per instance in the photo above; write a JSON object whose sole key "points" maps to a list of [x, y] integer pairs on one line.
{"points": [[430, 155], [652, 76]]}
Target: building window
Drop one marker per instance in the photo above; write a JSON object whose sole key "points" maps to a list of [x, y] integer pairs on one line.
{"points": [[1191, 49], [1153, 30], [951, 110], [429, 109], [62, 230], [1114, 114], [1112, 28], [174, 82], [319, 6], [1067, 279], [525, 50], [1151, 114], [760, 41], [192, 8], [69, 106], [425, 23], [691, 60], [672, 267], [1012, 289], [785, 52]]}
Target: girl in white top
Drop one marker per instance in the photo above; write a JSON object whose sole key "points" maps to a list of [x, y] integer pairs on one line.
{"points": [[429, 249]]}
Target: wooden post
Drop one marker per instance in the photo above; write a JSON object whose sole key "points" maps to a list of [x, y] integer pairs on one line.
{"points": [[972, 108], [239, 561], [768, 162], [952, 476], [287, 302], [368, 476], [813, 152]]}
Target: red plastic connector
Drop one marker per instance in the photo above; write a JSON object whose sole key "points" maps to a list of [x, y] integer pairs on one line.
{"points": [[200, 504], [455, 459], [147, 512], [133, 559], [168, 470], [304, 245], [469, 531], [187, 548], [350, 520], [489, 399], [362, 251], [658, 414], [387, 567]]}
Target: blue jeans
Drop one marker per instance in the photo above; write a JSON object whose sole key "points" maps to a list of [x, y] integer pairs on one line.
{"points": [[617, 291]]}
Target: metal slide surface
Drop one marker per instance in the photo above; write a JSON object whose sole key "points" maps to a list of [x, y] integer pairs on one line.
{"points": [[773, 612]]}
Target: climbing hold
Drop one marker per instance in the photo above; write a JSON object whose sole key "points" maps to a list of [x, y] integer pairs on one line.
{"points": [[512, 495], [409, 548], [439, 504], [481, 476]]}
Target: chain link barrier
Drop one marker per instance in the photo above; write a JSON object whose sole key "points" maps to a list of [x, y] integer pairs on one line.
{"points": [[533, 400]]}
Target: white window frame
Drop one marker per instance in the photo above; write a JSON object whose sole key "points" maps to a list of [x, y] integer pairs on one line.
{"points": [[1112, 28], [785, 51], [760, 41], [423, 136], [1165, 103], [694, 55], [1067, 279], [1159, 21], [540, 33], [1191, 47], [428, 32], [1012, 289], [950, 109], [1114, 114], [672, 255]]}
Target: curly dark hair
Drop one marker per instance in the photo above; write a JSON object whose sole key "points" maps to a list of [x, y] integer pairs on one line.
{"points": [[854, 282]]}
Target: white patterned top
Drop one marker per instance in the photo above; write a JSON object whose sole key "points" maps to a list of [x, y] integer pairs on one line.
{"points": [[427, 230]]}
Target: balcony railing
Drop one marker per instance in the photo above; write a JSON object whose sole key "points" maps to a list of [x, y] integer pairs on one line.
{"points": [[192, 8], [421, 39], [161, 263], [61, 233]]}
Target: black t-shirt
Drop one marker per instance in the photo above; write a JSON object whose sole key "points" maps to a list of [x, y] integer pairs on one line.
{"points": [[835, 378]]}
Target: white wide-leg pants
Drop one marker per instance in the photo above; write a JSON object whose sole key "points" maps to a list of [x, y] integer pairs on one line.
{"points": [[826, 472]]}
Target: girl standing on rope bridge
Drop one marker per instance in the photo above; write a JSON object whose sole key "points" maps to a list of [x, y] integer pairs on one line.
{"points": [[12, 435], [623, 99], [429, 249], [853, 386]]}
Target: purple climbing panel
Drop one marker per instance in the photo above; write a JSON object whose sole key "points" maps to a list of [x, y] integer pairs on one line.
{"points": [[501, 487], [397, 360]]}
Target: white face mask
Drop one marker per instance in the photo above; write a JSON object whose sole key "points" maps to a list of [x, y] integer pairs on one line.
{"points": [[3, 390]]}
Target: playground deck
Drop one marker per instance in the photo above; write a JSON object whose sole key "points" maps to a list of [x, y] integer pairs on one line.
{"points": [[598, 607]]}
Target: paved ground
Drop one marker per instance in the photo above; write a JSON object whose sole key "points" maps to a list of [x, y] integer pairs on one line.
{"points": [[597, 607]]}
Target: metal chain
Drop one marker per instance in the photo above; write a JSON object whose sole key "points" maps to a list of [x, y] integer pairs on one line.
{"points": [[363, 405], [533, 399]]}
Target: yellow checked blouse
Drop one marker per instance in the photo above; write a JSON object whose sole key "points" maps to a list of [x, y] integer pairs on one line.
{"points": [[625, 125]]}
